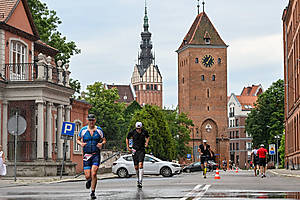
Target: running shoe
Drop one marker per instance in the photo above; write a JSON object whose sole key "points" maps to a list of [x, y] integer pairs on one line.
{"points": [[93, 196], [88, 184], [140, 185]]}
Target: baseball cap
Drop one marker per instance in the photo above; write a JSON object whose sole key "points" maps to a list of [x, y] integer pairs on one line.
{"points": [[204, 140], [138, 125], [91, 117], [262, 145]]}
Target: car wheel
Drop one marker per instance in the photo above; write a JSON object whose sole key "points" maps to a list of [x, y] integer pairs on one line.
{"points": [[122, 173], [188, 171], [166, 172]]}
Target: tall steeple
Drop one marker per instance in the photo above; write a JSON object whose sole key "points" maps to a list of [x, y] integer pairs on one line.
{"points": [[146, 57]]}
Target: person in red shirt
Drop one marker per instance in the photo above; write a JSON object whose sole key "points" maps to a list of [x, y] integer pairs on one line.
{"points": [[262, 154]]}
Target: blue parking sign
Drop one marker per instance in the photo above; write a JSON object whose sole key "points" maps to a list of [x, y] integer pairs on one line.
{"points": [[68, 129]]}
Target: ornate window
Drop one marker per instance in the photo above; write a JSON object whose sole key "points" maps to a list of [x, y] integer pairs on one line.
{"points": [[77, 129], [18, 56]]}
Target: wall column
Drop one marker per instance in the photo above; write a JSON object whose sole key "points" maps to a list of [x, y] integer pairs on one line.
{"points": [[59, 126], [4, 129], [40, 129], [68, 119], [49, 129]]}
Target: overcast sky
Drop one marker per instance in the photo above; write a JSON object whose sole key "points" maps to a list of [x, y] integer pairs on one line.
{"points": [[108, 34]]}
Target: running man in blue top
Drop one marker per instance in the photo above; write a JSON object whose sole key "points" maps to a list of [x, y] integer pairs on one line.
{"points": [[91, 139]]}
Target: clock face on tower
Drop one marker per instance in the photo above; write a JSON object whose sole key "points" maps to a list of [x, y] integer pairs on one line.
{"points": [[208, 61]]}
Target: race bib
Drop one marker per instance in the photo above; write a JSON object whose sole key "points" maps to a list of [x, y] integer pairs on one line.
{"points": [[86, 157]]}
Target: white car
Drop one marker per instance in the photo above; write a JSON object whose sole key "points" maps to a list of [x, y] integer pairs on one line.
{"points": [[124, 167]]}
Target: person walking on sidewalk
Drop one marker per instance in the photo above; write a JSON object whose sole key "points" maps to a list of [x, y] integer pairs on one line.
{"points": [[140, 139], [91, 139], [2, 162], [262, 154], [255, 160]]}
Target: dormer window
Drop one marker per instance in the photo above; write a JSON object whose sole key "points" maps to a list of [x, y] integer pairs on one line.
{"points": [[207, 38]]}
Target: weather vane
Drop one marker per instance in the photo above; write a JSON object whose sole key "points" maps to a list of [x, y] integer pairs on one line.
{"points": [[203, 3]]}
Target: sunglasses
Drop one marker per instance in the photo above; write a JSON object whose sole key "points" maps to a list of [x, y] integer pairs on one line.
{"points": [[91, 120]]}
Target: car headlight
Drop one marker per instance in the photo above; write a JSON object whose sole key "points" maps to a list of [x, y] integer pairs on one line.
{"points": [[175, 165]]}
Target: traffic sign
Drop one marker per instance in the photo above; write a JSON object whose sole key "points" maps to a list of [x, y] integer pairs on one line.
{"points": [[272, 150], [189, 156], [16, 125], [68, 129]]}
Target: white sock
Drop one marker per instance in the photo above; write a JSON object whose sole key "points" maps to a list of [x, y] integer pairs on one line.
{"points": [[141, 173], [137, 175]]}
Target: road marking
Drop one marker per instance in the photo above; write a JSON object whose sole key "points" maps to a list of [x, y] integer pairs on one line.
{"points": [[191, 193], [204, 190]]}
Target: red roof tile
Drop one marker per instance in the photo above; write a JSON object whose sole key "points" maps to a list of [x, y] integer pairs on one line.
{"points": [[200, 28]]}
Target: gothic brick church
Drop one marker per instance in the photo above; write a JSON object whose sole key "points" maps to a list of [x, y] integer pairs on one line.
{"points": [[202, 85], [146, 78]]}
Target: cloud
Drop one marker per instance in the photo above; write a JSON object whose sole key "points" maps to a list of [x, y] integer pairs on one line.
{"points": [[255, 51]]}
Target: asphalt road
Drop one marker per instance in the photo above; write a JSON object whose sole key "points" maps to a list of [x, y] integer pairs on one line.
{"points": [[242, 185]]}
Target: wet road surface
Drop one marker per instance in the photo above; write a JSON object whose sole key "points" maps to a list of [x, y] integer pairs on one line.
{"points": [[242, 186]]}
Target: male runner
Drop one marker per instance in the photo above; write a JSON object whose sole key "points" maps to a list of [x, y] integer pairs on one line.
{"points": [[255, 160], [205, 153], [262, 154], [140, 139], [90, 138]]}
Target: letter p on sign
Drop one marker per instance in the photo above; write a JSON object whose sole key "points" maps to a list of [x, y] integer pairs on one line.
{"points": [[68, 129]]}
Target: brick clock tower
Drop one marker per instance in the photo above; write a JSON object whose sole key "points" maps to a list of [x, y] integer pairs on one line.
{"points": [[202, 86], [146, 78]]}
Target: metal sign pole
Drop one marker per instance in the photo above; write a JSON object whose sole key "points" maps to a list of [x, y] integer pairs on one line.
{"points": [[62, 164], [16, 142]]}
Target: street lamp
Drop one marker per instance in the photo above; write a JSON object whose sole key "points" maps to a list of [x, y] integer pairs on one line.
{"points": [[277, 137]]}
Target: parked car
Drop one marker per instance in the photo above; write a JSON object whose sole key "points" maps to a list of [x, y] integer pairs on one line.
{"points": [[124, 167], [212, 165], [196, 166]]}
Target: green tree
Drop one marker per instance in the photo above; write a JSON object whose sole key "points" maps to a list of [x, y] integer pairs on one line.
{"points": [[108, 111], [267, 119], [179, 125], [162, 143], [47, 23], [75, 85], [281, 151]]}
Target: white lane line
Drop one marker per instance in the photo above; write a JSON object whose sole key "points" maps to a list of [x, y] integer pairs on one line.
{"points": [[191, 193], [200, 194]]}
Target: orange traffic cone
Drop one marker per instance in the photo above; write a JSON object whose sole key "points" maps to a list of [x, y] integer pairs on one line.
{"points": [[217, 176], [237, 170]]}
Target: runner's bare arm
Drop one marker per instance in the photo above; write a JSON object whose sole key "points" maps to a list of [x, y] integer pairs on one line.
{"points": [[82, 144], [147, 141], [99, 145]]}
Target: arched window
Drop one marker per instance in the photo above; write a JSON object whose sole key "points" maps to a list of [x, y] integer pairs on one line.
{"points": [[18, 56], [213, 77], [76, 147]]}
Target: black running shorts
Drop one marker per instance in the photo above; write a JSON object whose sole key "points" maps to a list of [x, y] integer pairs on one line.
{"points": [[138, 156], [262, 162]]}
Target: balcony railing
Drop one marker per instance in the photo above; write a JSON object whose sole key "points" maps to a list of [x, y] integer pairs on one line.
{"points": [[19, 72], [42, 70]]}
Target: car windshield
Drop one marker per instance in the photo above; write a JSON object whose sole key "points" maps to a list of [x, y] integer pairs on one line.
{"points": [[127, 158], [197, 164], [152, 157]]}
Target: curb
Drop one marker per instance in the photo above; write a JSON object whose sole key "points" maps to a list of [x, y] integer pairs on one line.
{"points": [[56, 180], [286, 175]]}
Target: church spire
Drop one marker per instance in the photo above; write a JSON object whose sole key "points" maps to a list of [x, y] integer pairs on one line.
{"points": [[146, 20], [146, 57]]}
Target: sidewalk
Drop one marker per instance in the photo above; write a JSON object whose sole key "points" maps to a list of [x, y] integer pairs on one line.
{"points": [[23, 181], [285, 172]]}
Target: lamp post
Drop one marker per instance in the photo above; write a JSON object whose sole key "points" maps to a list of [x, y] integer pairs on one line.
{"points": [[277, 160]]}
